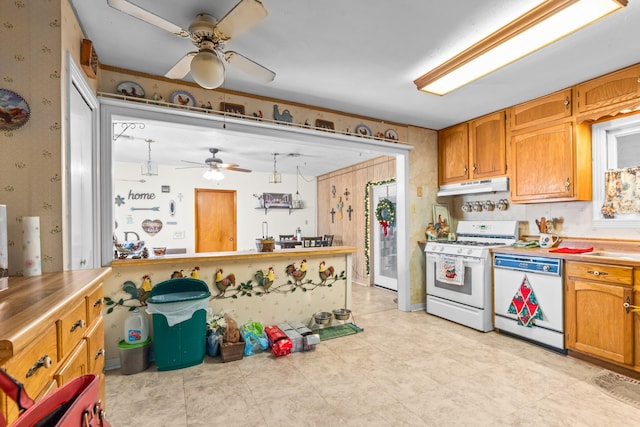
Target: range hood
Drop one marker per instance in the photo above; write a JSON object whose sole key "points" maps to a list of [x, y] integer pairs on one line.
{"points": [[475, 187]]}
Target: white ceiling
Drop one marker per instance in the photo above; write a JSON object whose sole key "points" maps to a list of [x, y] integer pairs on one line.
{"points": [[361, 56]]}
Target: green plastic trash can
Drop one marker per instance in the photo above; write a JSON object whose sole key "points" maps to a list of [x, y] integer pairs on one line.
{"points": [[178, 308]]}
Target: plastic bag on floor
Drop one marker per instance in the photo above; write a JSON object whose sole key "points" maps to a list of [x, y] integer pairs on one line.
{"points": [[254, 337], [214, 338]]}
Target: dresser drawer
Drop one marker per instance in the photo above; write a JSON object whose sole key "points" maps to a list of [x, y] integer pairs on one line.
{"points": [[95, 345], [71, 328], [34, 366], [74, 366], [612, 274], [95, 302]]}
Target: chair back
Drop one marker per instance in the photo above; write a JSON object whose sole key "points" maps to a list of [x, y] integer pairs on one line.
{"points": [[287, 241], [285, 237], [311, 242], [327, 240]]}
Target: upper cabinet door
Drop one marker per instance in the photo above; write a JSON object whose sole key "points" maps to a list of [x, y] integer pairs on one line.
{"points": [[542, 110], [616, 88], [487, 146], [453, 154]]}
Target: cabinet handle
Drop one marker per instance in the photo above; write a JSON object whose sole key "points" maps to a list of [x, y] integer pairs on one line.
{"points": [[630, 308], [99, 353], [566, 103], [597, 273], [475, 168], [567, 184], [465, 169], [45, 361], [98, 302], [80, 323]]}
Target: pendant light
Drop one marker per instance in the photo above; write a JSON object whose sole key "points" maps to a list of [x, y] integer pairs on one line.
{"points": [[150, 167], [297, 199], [275, 177]]}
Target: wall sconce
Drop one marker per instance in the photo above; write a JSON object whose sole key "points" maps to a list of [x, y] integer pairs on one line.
{"points": [[549, 21]]}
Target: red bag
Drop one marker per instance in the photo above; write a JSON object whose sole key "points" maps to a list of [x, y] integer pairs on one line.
{"points": [[74, 404]]}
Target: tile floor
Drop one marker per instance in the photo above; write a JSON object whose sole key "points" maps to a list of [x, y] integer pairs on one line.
{"points": [[409, 369]]}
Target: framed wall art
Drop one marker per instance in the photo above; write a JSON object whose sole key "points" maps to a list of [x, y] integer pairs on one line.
{"points": [[441, 221], [277, 200], [232, 108], [14, 110]]}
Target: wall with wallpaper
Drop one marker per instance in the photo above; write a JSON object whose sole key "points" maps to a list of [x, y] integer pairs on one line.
{"points": [[36, 36]]}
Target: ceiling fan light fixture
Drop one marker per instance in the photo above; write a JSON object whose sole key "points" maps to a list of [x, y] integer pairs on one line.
{"points": [[275, 177], [149, 167], [213, 175], [207, 69], [537, 28]]}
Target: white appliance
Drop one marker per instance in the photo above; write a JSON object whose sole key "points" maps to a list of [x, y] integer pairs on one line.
{"points": [[475, 187], [464, 295], [4, 259], [528, 294]]}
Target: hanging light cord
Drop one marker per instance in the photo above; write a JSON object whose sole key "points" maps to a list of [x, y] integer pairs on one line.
{"points": [[302, 176]]}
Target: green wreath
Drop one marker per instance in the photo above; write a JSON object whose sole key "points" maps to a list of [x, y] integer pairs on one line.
{"points": [[386, 214]]}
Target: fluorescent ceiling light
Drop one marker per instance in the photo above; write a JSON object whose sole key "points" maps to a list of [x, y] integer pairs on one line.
{"points": [[541, 26]]}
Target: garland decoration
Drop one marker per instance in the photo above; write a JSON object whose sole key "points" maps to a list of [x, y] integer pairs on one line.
{"points": [[386, 214], [367, 219]]}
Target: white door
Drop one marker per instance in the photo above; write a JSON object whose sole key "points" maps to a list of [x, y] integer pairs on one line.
{"points": [[385, 259], [82, 248]]}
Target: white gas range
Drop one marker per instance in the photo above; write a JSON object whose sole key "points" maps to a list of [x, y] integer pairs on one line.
{"points": [[459, 272]]}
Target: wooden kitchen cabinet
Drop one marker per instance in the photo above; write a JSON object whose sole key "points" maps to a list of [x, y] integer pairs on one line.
{"points": [[487, 146], [51, 331], [549, 108], [551, 162], [596, 320], [453, 154], [473, 150], [612, 90]]}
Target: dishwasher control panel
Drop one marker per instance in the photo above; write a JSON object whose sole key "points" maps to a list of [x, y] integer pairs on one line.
{"points": [[542, 265]]}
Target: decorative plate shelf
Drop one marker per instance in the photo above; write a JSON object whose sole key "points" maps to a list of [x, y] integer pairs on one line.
{"points": [[278, 207]]}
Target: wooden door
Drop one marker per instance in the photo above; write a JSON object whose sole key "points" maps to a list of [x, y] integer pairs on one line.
{"points": [[597, 322], [215, 220], [619, 87], [487, 143], [453, 154], [542, 163]]}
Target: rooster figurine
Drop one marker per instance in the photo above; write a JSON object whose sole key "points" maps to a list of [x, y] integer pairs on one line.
{"points": [[325, 272], [177, 274], [222, 283], [265, 280], [297, 274], [194, 272], [141, 293]]}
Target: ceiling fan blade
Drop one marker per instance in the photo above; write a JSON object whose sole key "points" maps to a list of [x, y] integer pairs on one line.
{"points": [[253, 69], [194, 163], [182, 67], [194, 167], [244, 16], [144, 15], [239, 169]]}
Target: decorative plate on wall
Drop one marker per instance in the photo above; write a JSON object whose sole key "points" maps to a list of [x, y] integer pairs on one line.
{"points": [[182, 97], [14, 110], [130, 89], [391, 134], [363, 130]]}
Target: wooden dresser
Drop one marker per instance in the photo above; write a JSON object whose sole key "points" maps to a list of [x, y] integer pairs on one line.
{"points": [[51, 331]]}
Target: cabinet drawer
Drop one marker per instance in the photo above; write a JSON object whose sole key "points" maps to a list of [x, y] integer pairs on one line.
{"points": [[612, 274], [74, 366], [71, 328], [95, 302], [95, 346], [30, 366]]}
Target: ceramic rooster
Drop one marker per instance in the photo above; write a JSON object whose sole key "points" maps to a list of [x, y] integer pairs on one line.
{"points": [[265, 280], [222, 283], [194, 272], [325, 272], [176, 274], [285, 116], [141, 293], [297, 274]]}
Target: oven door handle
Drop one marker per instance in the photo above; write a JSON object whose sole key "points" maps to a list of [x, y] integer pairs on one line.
{"points": [[466, 260]]}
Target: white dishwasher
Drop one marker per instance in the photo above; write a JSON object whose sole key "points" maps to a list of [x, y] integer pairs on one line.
{"points": [[529, 298]]}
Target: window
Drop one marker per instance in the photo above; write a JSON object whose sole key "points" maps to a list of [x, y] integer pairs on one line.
{"points": [[616, 172]]}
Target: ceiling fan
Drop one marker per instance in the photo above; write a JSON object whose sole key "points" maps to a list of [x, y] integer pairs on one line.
{"points": [[215, 163], [209, 35]]}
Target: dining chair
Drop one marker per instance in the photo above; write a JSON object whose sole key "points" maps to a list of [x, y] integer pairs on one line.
{"points": [[311, 242], [284, 244], [327, 240]]}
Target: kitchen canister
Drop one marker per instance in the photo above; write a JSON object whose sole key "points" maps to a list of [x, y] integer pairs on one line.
{"points": [[31, 260], [136, 328]]}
